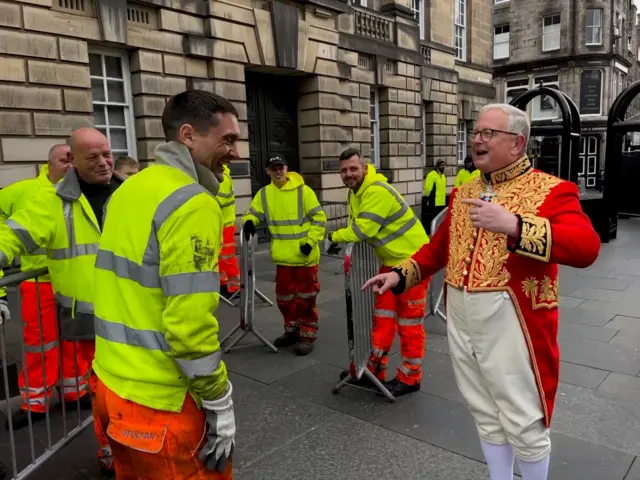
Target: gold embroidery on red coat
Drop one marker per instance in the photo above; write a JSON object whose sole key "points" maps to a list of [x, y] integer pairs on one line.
{"points": [[535, 238], [511, 171], [543, 294], [411, 272], [484, 256]]}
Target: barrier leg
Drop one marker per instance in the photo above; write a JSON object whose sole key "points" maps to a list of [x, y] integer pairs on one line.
{"points": [[367, 373], [235, 341], [339, 268], [227, 301], [263, 297], [342, 383], [230, 334], [264, 340]]}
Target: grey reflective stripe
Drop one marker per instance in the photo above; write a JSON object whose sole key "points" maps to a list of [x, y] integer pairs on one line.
{"points": [[403, 368], [263, 198], [385, 222], [289, 236], [307, 295], [318, 222], [311, 213], [406, 322], [41, 348], [3, 259], [192, 282], [412, 361], [224, 195], [285, 298], [120, 333], [258, 215], [200, 367], [299, 221], [384, 313], [68, 302], [226, 204], [39, 251], [22, 234], [72, 251], [417, 302], [397, 234], [359, 233], [144, 275], [391, 190]]}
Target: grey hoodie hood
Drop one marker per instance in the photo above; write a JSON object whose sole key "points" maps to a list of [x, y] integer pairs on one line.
{"points": [[176, 155]]}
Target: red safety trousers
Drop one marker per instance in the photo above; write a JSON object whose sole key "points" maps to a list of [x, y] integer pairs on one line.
{"points": [[228, 262], [75, 365], [296, 292], [151, 444], [405, 313]]}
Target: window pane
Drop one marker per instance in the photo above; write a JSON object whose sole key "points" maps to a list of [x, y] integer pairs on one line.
{"points": [[115, 91], [113, 65], [97, 89], [95, 65], [98, 115], [118, 139], [116, 116]]}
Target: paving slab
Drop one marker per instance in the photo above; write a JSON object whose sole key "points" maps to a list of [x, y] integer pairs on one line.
{"points": [[626, 324], [585, 317], [634, 472], [581, 376], [589, 293], [349, 449], [601, 334], [605, 356], [570, 302], [438, 378], [624, 387], [631, 340]]}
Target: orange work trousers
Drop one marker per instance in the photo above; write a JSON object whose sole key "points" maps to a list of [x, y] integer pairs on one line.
{"points": [[151, 444], [404, 313], [296, 292], [39, 367], [228, 262]]}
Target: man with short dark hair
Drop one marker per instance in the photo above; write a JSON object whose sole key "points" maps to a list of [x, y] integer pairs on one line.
{"points": [[434, 195], [126, 166], [380, 216], [467, 173], [158, 355]]}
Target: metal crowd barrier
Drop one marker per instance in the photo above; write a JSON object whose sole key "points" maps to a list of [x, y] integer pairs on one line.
{"points": [[43, 440], [337, 217], [248, 294], [360, 264], [436, 285]]}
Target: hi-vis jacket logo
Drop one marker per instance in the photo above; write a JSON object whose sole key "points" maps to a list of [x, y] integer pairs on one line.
{"points": [[140, 435]]}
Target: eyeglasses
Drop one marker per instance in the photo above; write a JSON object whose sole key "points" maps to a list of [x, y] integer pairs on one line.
{"points": [[486, 134]]}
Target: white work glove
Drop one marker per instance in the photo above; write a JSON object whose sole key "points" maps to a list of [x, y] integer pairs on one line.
{"points": [[222, 430], [5, 313]]}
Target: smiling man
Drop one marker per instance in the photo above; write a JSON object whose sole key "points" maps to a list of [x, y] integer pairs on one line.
{"points": [[501, 242], [158, 356]]}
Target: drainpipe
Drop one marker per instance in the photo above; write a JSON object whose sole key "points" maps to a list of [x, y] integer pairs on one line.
{"points": [[574, 40]]}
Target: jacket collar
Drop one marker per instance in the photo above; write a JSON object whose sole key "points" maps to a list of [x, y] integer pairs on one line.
{"points": [[515, 170], [69, 187], [176, 155]]}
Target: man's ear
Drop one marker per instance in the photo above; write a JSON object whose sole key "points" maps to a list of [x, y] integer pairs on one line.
{"points": [[186, 135]]}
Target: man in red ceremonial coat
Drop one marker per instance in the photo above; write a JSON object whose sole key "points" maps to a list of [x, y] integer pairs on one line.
{"points": [[501, 243]]}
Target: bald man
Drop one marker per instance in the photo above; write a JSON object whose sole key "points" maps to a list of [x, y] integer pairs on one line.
{"points": [[67, 221], [37, 367]]}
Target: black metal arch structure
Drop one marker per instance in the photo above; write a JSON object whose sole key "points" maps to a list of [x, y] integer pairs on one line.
{"points": [[568, 128], [617, 128]]}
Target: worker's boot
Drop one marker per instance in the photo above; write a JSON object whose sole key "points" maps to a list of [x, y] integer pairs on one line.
{"points": [[287, 339], [305, 348], [398, 388], [20, 419]]}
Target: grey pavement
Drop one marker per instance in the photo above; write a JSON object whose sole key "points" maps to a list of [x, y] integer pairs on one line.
{"points": [[291, 426]]}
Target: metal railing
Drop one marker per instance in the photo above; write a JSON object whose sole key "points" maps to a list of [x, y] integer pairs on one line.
{"points": [[45, 436], [372, 24], [337, 217], [436, 285], [248, 293]]}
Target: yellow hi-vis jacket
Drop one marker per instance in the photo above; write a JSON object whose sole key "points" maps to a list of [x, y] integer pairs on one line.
{"points": [[465, 176], [294, 217], [60, 219], [227, 199], [157, 285], [435, 186], [13, 198], [380, 216]]}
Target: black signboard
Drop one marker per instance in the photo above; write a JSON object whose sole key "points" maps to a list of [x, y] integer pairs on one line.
{"points": [[590, 92]]}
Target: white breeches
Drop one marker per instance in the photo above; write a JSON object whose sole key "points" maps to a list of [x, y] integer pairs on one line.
{"points": [[493, 371]]}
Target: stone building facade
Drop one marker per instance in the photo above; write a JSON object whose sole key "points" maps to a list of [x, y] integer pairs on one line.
{"points": [[586, 48], [309, 79]]}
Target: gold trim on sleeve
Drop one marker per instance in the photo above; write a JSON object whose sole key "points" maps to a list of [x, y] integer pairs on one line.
{"points": [[411, 272], [534, 240]]}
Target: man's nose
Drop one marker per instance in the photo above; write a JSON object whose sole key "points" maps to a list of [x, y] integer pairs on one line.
{"points": [[233, 153]]}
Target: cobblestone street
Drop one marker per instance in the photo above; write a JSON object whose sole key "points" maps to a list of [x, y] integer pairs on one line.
{"points": [[290, 425]]}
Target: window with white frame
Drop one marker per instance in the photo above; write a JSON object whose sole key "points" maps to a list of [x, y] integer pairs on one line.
{"points": [[515, 87], [544, 107], [417, 8], [551, 33], [593, 27], [501, 42], [374, 115], [112, 101], [462, 141], [501, 1], [461, 29]]}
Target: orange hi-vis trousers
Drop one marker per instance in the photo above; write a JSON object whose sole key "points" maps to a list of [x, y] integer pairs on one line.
{"points": [[151, 444], [406, 313], [296, 292], [75, 364], [228, 262]]}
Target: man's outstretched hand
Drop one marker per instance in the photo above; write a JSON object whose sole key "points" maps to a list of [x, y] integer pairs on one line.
{"points": [[383, 282]]}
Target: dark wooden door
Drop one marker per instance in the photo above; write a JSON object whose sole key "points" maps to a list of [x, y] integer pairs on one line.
{"points": [[272, 123]]}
